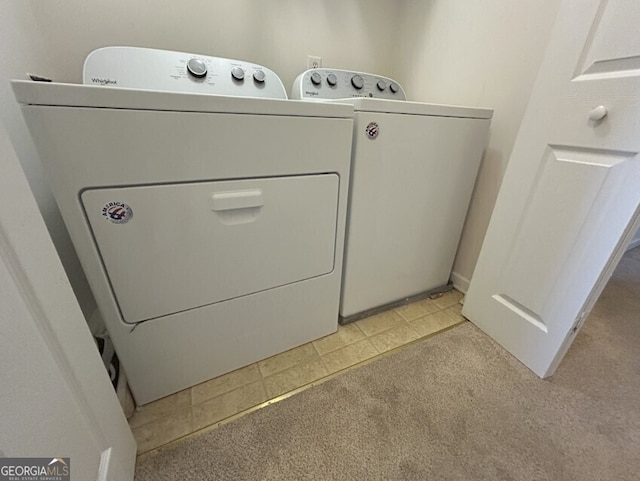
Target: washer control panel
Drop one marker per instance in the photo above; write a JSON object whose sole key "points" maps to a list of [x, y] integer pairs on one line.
{"points": [[150, 69], [327, 84]]}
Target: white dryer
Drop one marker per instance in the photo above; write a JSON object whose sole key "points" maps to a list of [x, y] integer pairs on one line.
{"points": [[210, 226], [414, 166]]}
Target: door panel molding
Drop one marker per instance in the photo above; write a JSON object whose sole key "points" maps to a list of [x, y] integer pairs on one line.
{"points": [[570, 190]]}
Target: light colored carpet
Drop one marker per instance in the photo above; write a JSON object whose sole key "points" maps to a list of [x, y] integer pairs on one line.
{"points": [[453, 407]]}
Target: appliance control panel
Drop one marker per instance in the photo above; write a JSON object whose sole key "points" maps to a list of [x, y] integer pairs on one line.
{"points": [[150, 69], [327, 84]]}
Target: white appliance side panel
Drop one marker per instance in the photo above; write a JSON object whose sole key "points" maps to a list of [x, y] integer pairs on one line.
{"points": [[410, 190], [176, 247]]}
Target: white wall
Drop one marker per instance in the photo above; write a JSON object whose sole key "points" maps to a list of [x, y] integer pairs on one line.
{"points": [[481, 53], [276, 33], [53, 38]]}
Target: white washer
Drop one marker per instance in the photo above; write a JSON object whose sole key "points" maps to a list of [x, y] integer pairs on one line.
{"points": [[413, 170], [210, 227]]}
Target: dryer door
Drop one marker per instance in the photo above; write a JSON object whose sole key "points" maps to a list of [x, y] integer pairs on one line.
{"points": [[170, 248]]}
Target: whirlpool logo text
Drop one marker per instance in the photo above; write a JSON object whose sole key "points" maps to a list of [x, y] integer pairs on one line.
{"points": [[104, 81]]}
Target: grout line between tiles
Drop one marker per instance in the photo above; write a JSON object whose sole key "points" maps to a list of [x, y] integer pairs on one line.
{"points": [[284, 396], [374, 346], [358, 328], [324, 363], [314, 346]]}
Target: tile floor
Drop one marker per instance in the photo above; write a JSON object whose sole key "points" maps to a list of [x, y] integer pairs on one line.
{"points": [[185, 412]]}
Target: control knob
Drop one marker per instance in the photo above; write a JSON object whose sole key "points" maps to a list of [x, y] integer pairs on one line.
{"points": [[197, 68], [316, 79], [381, 85], [332, 79], [394, 87], [357, 81], [259, 76], [237, 73]]}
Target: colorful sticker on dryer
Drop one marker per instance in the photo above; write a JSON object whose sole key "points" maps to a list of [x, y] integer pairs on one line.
{"points": [[117, 212], [372, 130]]}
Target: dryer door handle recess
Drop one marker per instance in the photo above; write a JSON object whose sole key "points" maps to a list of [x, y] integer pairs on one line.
{"points": [[234, 200]]}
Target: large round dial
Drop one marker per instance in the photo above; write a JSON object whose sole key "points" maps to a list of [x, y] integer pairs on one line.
{"points": [[197, 68], [237, 73], [357, 81], [259, 76], [316, 79]]}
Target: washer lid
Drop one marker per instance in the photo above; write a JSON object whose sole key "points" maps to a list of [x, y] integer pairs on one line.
{"points": [[414, 108], [89, 96]]}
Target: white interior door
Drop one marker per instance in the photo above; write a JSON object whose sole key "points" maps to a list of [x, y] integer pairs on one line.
{"points": [[57, 400], [571, 191]]}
